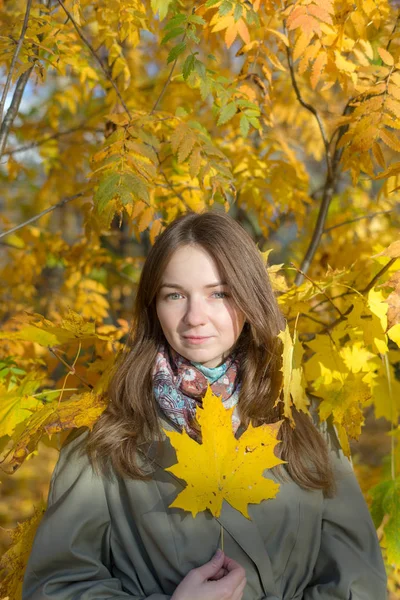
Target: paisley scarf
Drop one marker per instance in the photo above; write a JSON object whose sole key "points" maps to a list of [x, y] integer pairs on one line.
{"points": [[179, 386]]}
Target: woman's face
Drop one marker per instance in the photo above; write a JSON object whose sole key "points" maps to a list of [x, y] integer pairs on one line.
{"points": [[196, 311]]}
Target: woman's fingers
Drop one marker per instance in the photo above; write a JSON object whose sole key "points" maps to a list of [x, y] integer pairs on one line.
{"points": [[221, 573]]}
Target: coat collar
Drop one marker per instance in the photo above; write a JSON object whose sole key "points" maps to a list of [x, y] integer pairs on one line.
{"points": [[244, 531]]}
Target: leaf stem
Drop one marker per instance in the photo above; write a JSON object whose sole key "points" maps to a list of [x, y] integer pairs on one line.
{"points": [[318, 288], [71, 368]]}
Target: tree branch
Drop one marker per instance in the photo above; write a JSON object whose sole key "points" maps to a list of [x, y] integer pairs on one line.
{"points": [[13, 108], [309, 107], [370, 216], [14, 58], [318, 229], [96, 56], [44, 212]]}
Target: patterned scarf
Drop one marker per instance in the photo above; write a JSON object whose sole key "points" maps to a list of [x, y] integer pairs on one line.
{"points": [[179, 386]]}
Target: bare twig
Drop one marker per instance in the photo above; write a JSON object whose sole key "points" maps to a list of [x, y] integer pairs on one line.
{"points": [[14, 58], [370, 216], [41, 214], [378, 276], [13, 108], [96, 56], [54, 136]]}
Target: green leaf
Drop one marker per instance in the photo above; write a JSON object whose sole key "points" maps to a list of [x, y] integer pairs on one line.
{"points": [[181, 112], [178, 19], [205, 88], [225, 8], [255, 122], [211, 3], [226, 113], [176, 51], [200, 68], [196, 19], [386, 501], [172, 34], [106, 190], [188, 66], [244, 125], [135, 186], [238, 12], [191, 34]]}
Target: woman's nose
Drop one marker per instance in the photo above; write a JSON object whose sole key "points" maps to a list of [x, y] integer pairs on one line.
{"points": [[195, 313]]}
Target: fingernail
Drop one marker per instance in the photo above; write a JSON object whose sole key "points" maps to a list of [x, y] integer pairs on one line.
{"points": [[218, 553]]}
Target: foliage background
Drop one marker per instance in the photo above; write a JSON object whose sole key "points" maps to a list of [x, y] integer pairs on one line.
{"points": [[118, 115]]}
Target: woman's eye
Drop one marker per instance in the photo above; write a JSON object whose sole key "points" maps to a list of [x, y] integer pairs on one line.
{"points": [[224, 294], [170, 296]]}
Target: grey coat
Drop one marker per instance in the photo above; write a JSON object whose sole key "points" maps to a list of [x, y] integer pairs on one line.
{"points": [[117, 539]]}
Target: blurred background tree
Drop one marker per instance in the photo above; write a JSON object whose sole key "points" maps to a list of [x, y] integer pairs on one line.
{"points": [[117, 116]]}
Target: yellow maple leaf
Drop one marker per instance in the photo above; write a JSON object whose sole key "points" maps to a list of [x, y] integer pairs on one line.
{"points": [[293, 376], [44, 332], [223, 467], [18, 404], [80, 410], [345, 399]]}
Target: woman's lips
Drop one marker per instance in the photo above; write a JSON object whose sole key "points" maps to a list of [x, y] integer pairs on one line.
{"points": [[196, 340]]}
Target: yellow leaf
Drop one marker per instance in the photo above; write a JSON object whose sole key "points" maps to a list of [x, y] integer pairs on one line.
{"points": [[390, 139], [378, 306], [18, 404], [392, 251], [317, 69], [279, 34], [344, 399], [357, 358], [81, 410], [293, 377], [386, 57], [13, 562], [155, 230], [378, 154], [223, 467], [394, 334], [243, 31], [145, 218]]}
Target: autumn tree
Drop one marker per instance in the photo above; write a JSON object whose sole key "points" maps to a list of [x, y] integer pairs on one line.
{"points": [[118, 115]]}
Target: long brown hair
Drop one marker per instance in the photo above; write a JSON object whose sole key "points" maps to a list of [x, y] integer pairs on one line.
{"points": [[131, 418]]}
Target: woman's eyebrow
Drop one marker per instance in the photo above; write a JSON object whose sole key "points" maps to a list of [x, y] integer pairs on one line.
{"points": [[176, 285]]}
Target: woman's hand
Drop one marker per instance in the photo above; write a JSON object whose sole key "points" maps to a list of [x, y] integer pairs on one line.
{"points": [[222, 578]]}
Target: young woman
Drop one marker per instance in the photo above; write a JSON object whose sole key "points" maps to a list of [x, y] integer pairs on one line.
{"points": [[204, 313]]}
